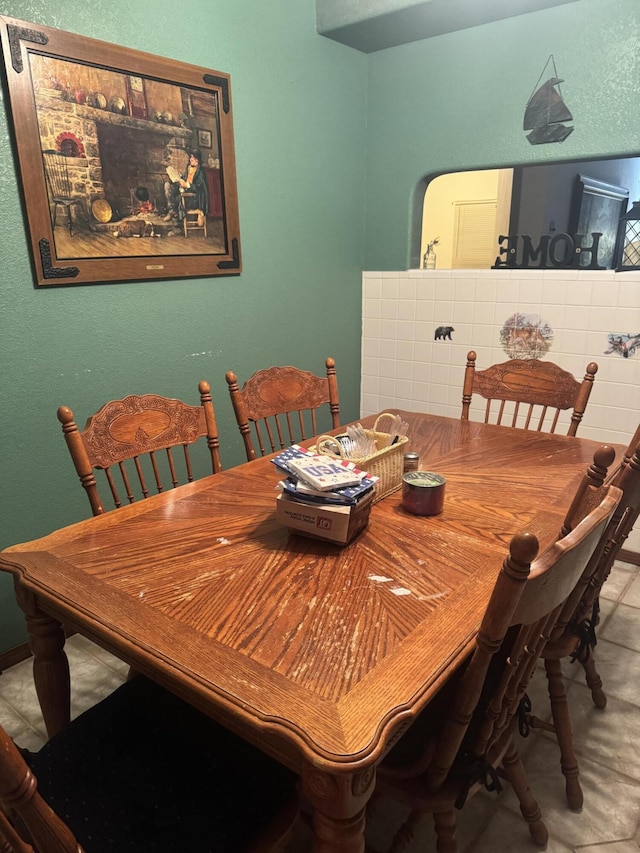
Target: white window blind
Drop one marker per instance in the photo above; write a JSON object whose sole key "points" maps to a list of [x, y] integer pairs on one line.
{"points": [[474, 234]]}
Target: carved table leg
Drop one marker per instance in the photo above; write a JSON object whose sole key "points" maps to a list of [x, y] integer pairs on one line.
{"points": [[339, 803], [50, 664]]}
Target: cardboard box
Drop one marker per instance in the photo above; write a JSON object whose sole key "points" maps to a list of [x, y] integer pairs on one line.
{"points": [[323, 521]]}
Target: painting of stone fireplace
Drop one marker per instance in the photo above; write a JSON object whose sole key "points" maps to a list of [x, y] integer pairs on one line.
{"points": [[115, 156], [117, 170]]}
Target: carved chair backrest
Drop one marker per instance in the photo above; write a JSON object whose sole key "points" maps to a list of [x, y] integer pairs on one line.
{"points": [[521, 392], [632, 447], [627, 478], [140, 440], [280, 404], [526, 601]]}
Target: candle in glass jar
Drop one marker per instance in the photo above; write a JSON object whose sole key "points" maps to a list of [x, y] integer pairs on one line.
{"points": [[423, 492]]}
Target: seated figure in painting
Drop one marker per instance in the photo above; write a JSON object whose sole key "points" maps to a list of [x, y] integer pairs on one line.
{"points": [[192, 184]]}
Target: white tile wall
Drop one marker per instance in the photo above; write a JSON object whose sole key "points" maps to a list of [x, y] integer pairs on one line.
{"points": [[404, 367]]}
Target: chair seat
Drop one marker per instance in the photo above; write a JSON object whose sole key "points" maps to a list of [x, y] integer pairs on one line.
{"points": [[130, 774]]}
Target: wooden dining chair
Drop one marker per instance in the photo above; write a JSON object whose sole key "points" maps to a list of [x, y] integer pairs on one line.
{"points": [[140, 439], [281, 403], [143, 771], [463, 740], [628, 555], [60, 186], [194, 219], [581, 628], [575, 635], [520, 393]]}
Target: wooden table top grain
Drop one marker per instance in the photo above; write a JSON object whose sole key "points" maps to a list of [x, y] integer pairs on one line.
{"points": [[318, 653]]}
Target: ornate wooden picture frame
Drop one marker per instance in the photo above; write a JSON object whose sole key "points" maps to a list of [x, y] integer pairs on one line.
{"points": [[116, 186]]}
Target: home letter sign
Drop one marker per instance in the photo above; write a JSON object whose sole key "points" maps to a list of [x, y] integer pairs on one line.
{"points": [[561, 250]]}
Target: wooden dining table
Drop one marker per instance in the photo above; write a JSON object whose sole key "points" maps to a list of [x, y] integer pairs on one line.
{"points": [[321, 655]]}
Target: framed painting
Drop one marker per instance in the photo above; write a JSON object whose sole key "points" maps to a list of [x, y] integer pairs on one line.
{"points": [[597, 208], [204, 138], [109, 144]]}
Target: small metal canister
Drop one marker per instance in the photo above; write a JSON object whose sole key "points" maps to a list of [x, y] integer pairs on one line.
{"points": [[423, 492], [411, 461]]}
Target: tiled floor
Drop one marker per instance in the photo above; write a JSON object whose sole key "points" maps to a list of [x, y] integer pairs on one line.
{"points": [[607, 743]]}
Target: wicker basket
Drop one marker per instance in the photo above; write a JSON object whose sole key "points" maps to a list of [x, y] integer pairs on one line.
{"points": [[387, 462]]}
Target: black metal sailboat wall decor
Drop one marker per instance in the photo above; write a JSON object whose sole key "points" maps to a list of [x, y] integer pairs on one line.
{"points": [[546, 111]]}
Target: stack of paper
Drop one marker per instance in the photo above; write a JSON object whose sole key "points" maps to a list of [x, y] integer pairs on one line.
{"points": [[315, 478]]}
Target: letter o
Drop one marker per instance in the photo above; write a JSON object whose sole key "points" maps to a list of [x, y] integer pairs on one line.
{"points": [[569, 250]]}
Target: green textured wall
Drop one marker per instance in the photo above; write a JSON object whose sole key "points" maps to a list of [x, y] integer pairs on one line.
{"points": [[299, 118], [457, 102]]}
